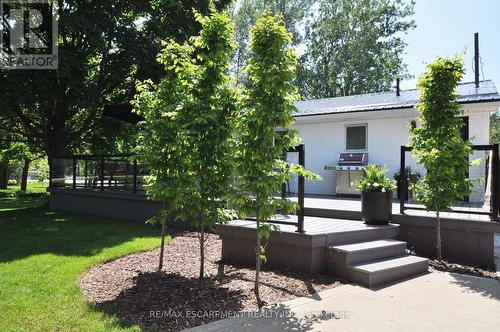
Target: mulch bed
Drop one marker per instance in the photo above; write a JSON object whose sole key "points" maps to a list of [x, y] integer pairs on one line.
{"points": [[459, 268], [131, 289]]}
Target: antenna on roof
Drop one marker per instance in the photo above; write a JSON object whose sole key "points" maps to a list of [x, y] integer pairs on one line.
{"points": [[398, 91], [476, 59]]}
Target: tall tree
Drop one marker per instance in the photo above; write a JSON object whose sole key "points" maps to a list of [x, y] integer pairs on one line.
{"points": [[104, 46], [264, 133], [189, 116], [354, 47], [437, 143], [247, 13]]}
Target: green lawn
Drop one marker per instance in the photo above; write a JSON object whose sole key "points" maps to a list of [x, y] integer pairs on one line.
{"points": [[43, 253], [33, 187]]}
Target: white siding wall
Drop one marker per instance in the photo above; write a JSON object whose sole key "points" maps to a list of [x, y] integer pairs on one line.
{"points": [[324, 141]]}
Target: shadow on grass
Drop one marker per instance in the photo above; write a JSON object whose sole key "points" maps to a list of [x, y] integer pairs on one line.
{"points": [[31, 231], [19, 203]]}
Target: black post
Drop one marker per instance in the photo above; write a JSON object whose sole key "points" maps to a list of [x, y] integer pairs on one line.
{"points": [[102, 173], [300, 215], [74, 173], [402, 181], [283, 186], [135, 176], [86, 173], [476, 59], [494, 183]]}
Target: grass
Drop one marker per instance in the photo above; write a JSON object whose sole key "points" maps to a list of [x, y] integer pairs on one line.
{"points": [[42, 254], [33, 187]]}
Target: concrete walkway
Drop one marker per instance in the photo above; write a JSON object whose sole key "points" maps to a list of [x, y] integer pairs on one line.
{"points": [[433, 302]]}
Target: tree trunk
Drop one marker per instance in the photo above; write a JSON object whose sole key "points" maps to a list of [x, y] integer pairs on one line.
{"points": [[162, 245], [260, 303], [24, 176], [438, 236], [202, 246], [163, 223], [3, 175]]}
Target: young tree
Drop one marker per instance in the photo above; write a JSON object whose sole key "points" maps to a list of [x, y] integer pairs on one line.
{"points": [[264, 135], [292, 11], [437, 143], [354, 47], [187, 138]]}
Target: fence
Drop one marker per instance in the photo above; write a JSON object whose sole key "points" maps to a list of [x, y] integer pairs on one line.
{"points": [[124, 173], [493, 213], [100, 172]]}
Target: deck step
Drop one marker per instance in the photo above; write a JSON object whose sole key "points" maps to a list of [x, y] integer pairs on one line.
{"points": [[380, 272], [366, 234], [370, 251]]}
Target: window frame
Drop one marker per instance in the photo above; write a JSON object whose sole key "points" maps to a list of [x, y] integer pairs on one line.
{"points": [[365, 125]]}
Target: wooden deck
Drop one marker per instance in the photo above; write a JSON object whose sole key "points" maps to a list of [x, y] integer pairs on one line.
{"points": [[313, 225], [321, 202]]}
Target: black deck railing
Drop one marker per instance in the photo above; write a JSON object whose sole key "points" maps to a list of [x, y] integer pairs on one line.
{"points": [[119, 172], [493, 213], [122, 172], [300, 149]]}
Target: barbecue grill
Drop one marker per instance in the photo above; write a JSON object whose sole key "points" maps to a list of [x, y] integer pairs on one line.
{"points": [[349, 169]]}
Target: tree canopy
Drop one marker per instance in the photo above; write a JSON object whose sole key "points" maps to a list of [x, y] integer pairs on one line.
{"points": [[292, 11], [354, 47], [104, 46]]}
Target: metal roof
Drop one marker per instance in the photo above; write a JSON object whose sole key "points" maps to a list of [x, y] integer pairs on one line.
{"points": [[388, 100]]}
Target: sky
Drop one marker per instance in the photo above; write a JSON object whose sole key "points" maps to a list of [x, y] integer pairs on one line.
{"points": [[447, 27]]}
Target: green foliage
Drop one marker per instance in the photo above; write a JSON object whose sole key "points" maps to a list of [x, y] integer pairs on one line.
{"points": [[292, 11], [375, 180], [186, 140], [411, 175], [437, 143], [495, 128], [104, 47], [354, 47], [269, 105]]}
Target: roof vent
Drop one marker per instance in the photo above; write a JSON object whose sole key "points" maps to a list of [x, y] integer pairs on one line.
{"points": [[398, 91]]}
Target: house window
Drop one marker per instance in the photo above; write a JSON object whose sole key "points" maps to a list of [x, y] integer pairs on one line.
{"points": [[356, 137]]}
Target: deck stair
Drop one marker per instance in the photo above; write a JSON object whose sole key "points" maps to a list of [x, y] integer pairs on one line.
{"points": [[374, 263]]}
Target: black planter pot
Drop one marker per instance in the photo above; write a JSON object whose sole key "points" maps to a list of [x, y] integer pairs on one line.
{"points": [[376, 207]]}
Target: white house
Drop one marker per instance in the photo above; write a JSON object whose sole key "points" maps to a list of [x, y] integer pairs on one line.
{"points": [[378, 125]]}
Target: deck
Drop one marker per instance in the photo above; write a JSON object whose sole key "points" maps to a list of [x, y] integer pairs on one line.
{"points": [[319, 205], [313, 225]]}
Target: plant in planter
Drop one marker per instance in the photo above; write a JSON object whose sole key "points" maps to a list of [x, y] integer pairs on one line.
{"points": [[376, 195], [412, 178]]}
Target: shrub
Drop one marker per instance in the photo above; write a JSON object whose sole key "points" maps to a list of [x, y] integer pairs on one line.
{"points": [[375, 180]]}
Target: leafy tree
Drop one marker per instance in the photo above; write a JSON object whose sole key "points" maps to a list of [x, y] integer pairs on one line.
{"points": [[264, 134], [354, 47], [437, 143], [495, 128], [104, 46], [20, 152], [292, 11], [189, 117]]}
